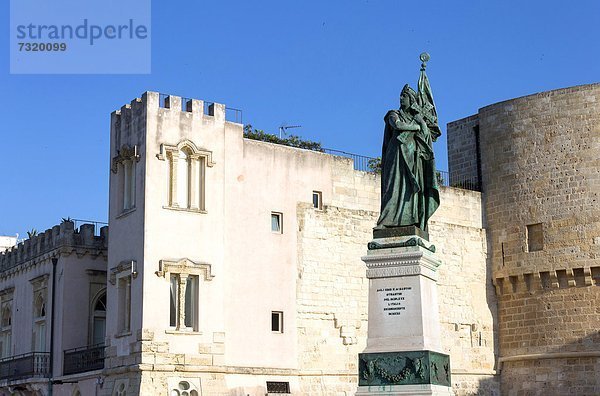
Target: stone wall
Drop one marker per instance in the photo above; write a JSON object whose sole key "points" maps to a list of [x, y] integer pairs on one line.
{"points": [[540, 162], [462, 149], [332, 295], [559, 376], [332, 291], [466, 297]]}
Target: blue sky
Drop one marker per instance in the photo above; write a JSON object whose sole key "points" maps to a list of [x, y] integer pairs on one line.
{"points": [[334, 67]]}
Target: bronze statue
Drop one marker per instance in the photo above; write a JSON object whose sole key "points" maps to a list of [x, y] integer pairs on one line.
{"points": [[409, 187]]}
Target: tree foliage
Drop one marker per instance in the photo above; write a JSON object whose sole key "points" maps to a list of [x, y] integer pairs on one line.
{"points": [[374, 165], [291, 140]]}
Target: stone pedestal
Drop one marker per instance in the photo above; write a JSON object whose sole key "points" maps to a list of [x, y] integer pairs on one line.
{"points": [[404, 352]]}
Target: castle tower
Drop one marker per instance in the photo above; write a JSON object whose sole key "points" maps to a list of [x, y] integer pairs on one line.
{"points": [[537, 159], [166, 252]]}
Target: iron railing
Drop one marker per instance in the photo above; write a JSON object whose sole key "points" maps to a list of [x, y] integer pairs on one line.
{"points": [[28, 365], [80, 360], [444, 178], [361, 162], [231, 114], [97, 224], [234, 115], [458, 181]]}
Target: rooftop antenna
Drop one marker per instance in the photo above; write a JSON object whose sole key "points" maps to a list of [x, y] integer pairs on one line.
{"points": [[284, 128]]}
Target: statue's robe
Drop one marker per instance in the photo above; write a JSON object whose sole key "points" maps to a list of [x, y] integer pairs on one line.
{"points": [[409, 188]]}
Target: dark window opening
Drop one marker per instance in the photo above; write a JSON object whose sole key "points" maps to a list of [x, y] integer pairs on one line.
{"points": [[277, 322], [278, 387]]}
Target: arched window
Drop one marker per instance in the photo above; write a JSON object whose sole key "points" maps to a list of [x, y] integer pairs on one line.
{"points": [[124, 166], [99, 319], [120, 390], [6, 329], [39, 321], [128, 184], [39, 306], [6, 316], [186, 177]]}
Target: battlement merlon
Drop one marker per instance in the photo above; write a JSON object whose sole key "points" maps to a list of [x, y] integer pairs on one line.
{"points": [[59, 236], [129, 123], [153, 101]]}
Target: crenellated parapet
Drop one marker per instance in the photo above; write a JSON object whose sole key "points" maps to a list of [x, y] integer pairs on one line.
{"points": [[129, 123], [129, 119], [537, 282], [64, 238]]}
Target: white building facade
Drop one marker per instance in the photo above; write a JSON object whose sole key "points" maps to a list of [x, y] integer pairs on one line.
{"points": [[233, 267], [53, 283]]}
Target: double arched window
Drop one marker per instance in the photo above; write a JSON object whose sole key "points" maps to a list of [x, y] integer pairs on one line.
{"points": [[186, 176]]}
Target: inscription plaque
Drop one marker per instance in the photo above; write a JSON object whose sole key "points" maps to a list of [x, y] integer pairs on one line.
{"points": [[394, 299]]}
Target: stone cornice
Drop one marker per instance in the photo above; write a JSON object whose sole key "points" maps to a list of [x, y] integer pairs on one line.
{"points": [[184, 266], [40, 282], [167, 150], [125, 153], [404, 261], [45, 257], [124, 268]]}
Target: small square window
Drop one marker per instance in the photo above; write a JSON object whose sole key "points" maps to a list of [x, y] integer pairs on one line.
{"points": [[535, 237], [277, 322], [318, 200], [277, 222], [278, 387]]}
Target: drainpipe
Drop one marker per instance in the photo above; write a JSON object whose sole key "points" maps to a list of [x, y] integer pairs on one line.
{"points": [[53, 299]]}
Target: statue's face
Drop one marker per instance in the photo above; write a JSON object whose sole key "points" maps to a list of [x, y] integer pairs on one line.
{"points": [[404, 101]]}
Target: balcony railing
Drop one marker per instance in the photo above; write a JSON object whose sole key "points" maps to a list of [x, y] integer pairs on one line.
{"points": [[80, 360], [28, 365]]}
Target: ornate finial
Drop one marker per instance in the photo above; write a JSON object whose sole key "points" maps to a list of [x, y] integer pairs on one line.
{"points": [[424, 59]]}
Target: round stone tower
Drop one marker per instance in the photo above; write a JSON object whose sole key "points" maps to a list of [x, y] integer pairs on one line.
{"points": [[537, 160]]}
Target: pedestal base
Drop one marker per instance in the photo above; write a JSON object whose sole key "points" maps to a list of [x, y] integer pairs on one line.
{"points": [[412, 390], [404, 368], [403, 308], [404, 350]]}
